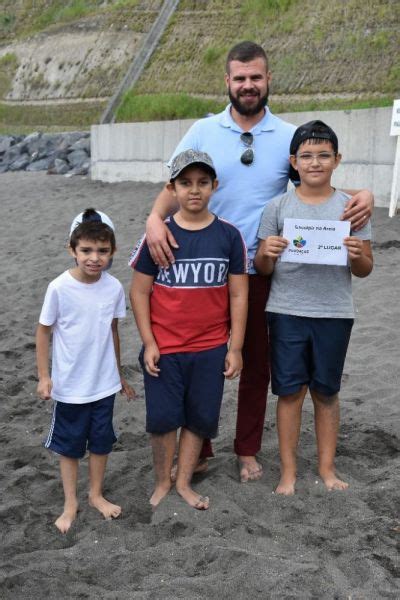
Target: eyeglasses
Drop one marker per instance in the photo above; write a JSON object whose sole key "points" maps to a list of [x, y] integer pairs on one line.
{"points": [[247, 157], [322, 157]]}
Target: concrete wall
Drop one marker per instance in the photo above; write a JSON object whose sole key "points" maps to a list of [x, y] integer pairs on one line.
{"points": [[139, 151]]}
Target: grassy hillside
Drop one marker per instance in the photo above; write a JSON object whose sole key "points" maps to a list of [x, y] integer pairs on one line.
{"points": [[22, 18], [314, 46], [341, 54]]}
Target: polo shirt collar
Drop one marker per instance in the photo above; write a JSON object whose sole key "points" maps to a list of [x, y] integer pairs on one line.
{"points": [[266, 123]]}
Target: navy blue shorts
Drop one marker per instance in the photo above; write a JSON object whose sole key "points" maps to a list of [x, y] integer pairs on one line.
{"points": [[187, 393], [77, 427], [307, 351]]}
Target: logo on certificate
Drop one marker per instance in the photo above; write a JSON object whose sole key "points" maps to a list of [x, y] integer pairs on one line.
{"points": [[299, 242]]}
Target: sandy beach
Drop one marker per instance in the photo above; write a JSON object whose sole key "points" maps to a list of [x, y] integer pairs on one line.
{"points": [[251, 543]]}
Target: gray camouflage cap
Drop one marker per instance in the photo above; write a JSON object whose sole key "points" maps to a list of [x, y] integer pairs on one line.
{"points": [[190, 157]]}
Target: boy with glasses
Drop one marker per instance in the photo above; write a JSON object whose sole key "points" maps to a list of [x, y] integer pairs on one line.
{"points": [[310, 308]]}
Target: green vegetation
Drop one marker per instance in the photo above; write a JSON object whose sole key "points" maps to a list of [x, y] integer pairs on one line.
{"points": [[162, 107], [7, 21], [22, 119], [393, 78], [27, 17], [323, 56], [60, 11], [8, 60], [63, 12], [380, 40], [125, 4], [307, 104], [8, 67], [319, 47], [213, 54], [102, 81], [257, 13], [265, 8]]}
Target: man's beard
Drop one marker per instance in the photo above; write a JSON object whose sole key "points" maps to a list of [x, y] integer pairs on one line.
{"points": [[248, 111]]}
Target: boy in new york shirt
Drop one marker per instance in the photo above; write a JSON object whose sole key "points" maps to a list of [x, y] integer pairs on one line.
{"points": [[185, 315]]}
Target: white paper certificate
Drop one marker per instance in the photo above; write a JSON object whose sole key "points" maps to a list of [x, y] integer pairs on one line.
{"points": [[315, 241]]}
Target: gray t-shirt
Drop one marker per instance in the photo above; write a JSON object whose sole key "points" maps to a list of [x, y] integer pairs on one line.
{"points": [[304, 289]]}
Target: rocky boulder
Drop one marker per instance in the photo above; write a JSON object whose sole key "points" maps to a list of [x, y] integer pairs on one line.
{"points": [[61, 153]]}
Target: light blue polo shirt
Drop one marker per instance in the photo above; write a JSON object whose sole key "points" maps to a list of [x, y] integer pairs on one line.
{"points": [[243, 191]]}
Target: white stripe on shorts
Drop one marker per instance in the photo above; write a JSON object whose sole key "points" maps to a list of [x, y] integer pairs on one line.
{"points": [[53, 420]]}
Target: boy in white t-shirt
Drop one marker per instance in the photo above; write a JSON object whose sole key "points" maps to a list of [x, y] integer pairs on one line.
{"points": [[81, 309]]}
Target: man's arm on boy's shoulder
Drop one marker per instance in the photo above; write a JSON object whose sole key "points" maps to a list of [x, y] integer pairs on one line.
{"points": [[139, 295], [159, 238], [44, 387], [125, 387], [238, 299], [359, 208]]}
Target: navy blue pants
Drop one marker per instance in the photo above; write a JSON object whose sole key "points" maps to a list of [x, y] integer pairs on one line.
{"points": [[307, 351], [187, 393], [77, 427]]}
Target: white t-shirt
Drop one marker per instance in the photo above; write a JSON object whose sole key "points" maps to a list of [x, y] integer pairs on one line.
{"points": [[84, 367]]}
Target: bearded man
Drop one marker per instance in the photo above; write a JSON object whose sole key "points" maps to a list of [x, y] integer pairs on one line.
{"points": [[250, 150]]}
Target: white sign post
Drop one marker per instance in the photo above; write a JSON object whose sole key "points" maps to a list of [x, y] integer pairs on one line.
{"points": [[395, 130]]}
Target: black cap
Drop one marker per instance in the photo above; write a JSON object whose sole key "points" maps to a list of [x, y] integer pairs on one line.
{"points": [[313, 129]]}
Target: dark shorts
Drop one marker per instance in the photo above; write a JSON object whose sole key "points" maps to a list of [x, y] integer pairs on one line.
{"points": [[187, 393], [307, 351], [77, 427]]}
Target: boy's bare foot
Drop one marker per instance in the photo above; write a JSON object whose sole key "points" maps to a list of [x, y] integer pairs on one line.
{"points": [[332, 482], [201, 467], [106, 508], [65, 520], [286, 485], [249, 469], [193, 499], [159, 493]]}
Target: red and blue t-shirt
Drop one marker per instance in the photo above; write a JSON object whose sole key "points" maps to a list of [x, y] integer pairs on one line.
{"points": [[189, 304]]}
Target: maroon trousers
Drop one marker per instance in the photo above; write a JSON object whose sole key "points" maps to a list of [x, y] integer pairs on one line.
{"points": [[254, 379]]}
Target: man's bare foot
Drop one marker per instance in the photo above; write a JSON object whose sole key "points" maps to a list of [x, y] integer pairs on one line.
{"points": [[159, 493], [201, 467], [193, 499], [106, 508], [286, 485], [64, 521], [249, 469], [332, 482]]}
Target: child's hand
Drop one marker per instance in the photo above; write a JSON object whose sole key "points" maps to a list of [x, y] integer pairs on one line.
{"points": [[354, 247], [273, 246], [150, 358], [233, 364], [44, 388], [126, 390]]}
